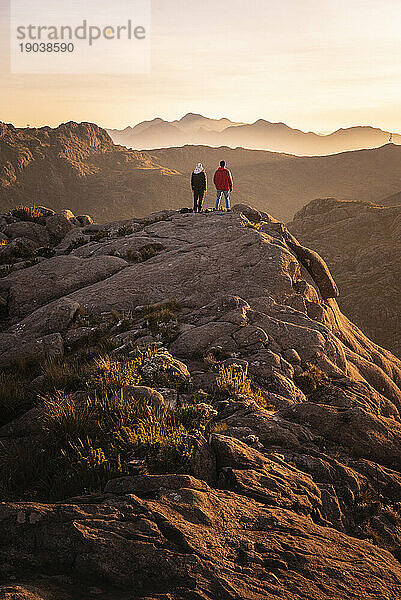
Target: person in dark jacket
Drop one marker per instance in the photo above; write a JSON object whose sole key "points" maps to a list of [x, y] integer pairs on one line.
{"points": [[224, 184], [199, 186]]}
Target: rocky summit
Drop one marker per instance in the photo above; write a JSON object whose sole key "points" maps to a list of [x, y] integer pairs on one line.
{"points": [[187, 414]]}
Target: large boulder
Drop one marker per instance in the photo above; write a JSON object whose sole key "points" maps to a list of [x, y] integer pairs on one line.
{"points": [[39, 350], [61, 223], [250, 213], [17, 249], [54, 278], [55, 317], [25, 229], [181, 537], [144, 394]]}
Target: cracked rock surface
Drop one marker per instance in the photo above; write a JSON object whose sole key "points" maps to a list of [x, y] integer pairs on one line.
{"points": [[293, 497]]}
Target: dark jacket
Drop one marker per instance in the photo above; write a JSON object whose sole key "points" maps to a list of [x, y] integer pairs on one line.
{"points": [[223, 180], [199, 182]]}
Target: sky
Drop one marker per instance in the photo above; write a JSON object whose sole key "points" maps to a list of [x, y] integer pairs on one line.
{"points": [[313, 64]]}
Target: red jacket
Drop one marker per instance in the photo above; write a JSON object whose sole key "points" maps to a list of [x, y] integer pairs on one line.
{"points": [[223, 180]]}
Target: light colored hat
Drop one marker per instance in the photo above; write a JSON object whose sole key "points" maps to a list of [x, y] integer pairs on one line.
{"points": [[198, 168]]}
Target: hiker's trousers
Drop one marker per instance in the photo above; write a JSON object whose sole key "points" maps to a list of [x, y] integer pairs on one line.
{"points": [[198, 200], [226, 196]]}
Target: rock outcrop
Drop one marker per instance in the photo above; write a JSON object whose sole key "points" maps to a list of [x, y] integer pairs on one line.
{"points": [[288, 419], [360, 242]]}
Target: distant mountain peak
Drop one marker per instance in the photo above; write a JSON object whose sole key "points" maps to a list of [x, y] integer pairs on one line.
{"points": [[191, 117]]}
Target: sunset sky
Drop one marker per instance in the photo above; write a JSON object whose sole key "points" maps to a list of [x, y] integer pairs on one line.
{"points": [[314, 64]]}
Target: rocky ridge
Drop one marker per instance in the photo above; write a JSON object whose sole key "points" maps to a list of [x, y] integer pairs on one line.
{"points": [[294, 489], [78, 165], [360, 242]]}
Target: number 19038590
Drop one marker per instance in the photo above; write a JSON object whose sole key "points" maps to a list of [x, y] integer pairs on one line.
{"points": [[46, 47]]}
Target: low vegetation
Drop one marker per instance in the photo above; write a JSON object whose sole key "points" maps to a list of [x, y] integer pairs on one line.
{"points": [[124, 231], [15, 396], [252, 225], [311, 379], [18, 250], [29, 213], [99, 236], [158, 315], [87, 430], [77, 243], [233, 382], [85, 441]]}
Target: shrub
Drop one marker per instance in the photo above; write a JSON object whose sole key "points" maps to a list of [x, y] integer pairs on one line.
{"points": [[46, 252], [158, 314], [145, 253], [87, 438], [24, 467], [6, 270], [29, 213], [19, 250], [68, 374], [251, 225], [89, 468], [125, 230], [66, 418], [233, 381], [155, 219], [311, 379], [111, 375], [87, 441], [196, 417]]}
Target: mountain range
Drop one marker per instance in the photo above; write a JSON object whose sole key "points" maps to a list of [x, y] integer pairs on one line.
{"points": [[195, 129], [78, 165]]}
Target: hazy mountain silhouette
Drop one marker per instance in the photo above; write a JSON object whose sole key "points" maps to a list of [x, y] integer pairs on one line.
{"points": [[264, 135]]}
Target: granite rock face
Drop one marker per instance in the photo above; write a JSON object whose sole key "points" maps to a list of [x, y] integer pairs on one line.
{"points": [[360, 242], [294, 494]]}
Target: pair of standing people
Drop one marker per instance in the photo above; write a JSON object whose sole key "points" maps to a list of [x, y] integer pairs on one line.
{"points": [[222, 180]]}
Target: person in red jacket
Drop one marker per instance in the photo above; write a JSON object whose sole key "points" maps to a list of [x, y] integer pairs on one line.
{"points": [[224, 184]]}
